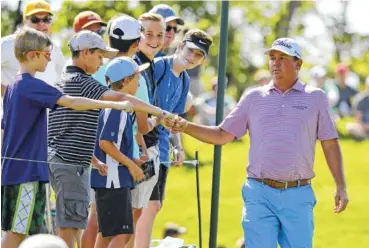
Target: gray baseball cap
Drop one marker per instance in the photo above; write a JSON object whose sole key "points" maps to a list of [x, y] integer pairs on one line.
{"points": [[167, 13], [86, 39]]}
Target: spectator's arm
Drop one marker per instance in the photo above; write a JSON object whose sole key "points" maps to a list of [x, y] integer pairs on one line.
{"points": [[145, 124], [139, 106], [3, 87], [141, 143]]}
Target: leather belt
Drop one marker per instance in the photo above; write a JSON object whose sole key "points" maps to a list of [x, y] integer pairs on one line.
{"points": [[283, 185]]}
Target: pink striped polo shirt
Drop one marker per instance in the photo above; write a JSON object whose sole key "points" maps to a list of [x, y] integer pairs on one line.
{"points": [[283, 129]]}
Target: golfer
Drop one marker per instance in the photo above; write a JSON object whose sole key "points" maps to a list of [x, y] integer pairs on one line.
{"points": [[284, 119]]}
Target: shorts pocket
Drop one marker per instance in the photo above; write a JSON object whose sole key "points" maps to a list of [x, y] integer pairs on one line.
{"points": [[75, 205]]}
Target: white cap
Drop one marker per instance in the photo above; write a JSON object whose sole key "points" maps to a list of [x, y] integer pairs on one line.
{"points": [[286, 45], [86, 39], [367, 81], [43, 241], [125, 28]]}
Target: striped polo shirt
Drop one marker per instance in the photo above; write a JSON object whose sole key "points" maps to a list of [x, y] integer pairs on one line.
{"points": [[283, 129], [72, 133]]}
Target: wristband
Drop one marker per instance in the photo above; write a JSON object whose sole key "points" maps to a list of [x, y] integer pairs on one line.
{"points": [[178, 148]]}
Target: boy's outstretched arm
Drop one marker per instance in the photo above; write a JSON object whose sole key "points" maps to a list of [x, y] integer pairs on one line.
{"points": [[138, 105], [81, 103]]}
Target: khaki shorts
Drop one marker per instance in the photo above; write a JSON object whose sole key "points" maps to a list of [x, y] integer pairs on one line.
{"points": [[142, 192]]}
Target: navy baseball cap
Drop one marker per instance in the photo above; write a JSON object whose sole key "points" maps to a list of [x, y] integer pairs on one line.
{"points": [[122, 67], [167, 13], [195, 42]]}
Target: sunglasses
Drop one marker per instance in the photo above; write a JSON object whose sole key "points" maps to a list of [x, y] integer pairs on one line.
{"points": [[35, 20], [101, 31], [175, 29], [46, 54]]}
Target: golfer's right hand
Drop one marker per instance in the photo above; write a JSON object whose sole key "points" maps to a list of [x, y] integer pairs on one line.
{"points": [[136, 173], [125, 105], [180, 124]]}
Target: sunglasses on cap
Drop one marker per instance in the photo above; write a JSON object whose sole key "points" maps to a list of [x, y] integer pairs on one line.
{"points": [[35, 20], [175, 29]]}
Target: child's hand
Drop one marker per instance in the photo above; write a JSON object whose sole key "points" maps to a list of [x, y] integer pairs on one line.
{"points": [[102, 168], [144, 157], [136, 173], [139, 162], [167, 119]]}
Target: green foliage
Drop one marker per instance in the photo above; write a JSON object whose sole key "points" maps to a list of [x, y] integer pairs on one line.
{"points": [[8, 18], [270, 19]]}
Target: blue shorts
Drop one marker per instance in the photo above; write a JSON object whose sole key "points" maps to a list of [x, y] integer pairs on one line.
{"points": [[272, 216]]}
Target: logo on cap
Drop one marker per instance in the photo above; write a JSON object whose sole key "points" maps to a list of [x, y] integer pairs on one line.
{"points": [[202, 42], [282, 43]]}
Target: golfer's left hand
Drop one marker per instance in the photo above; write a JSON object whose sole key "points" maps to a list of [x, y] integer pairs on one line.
{"points": [[178, 156], [341, 200]]}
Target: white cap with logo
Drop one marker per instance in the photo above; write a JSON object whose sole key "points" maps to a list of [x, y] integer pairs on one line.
{"points": [[86, 39], [125, 28], [286, 45]]}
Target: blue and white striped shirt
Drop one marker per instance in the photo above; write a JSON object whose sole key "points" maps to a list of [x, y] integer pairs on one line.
{"points": [[114, 126]]}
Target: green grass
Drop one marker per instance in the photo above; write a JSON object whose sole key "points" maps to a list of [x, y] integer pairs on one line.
{"points": [[348, 229]]}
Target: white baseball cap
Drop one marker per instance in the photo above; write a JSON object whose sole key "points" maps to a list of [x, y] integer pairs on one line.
{"points": [[86, 39], [286, 45], [125, 28]]}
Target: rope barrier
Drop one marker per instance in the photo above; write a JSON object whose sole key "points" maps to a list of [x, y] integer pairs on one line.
{"points": [[191, 162]]}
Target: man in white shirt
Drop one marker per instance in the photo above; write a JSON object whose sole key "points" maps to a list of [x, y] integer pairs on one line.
{"points": [[36, 14]]}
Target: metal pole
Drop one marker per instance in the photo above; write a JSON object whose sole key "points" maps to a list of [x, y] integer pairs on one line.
{"points": [[198, 197], [219, 118]]}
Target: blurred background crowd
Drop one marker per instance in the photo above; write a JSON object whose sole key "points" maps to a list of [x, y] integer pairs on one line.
{"points": [[334, 38]]}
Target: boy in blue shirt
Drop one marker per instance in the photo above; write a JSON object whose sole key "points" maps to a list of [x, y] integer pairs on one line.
{"points": [[114, 147], [172, 82], [24, 149]]}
